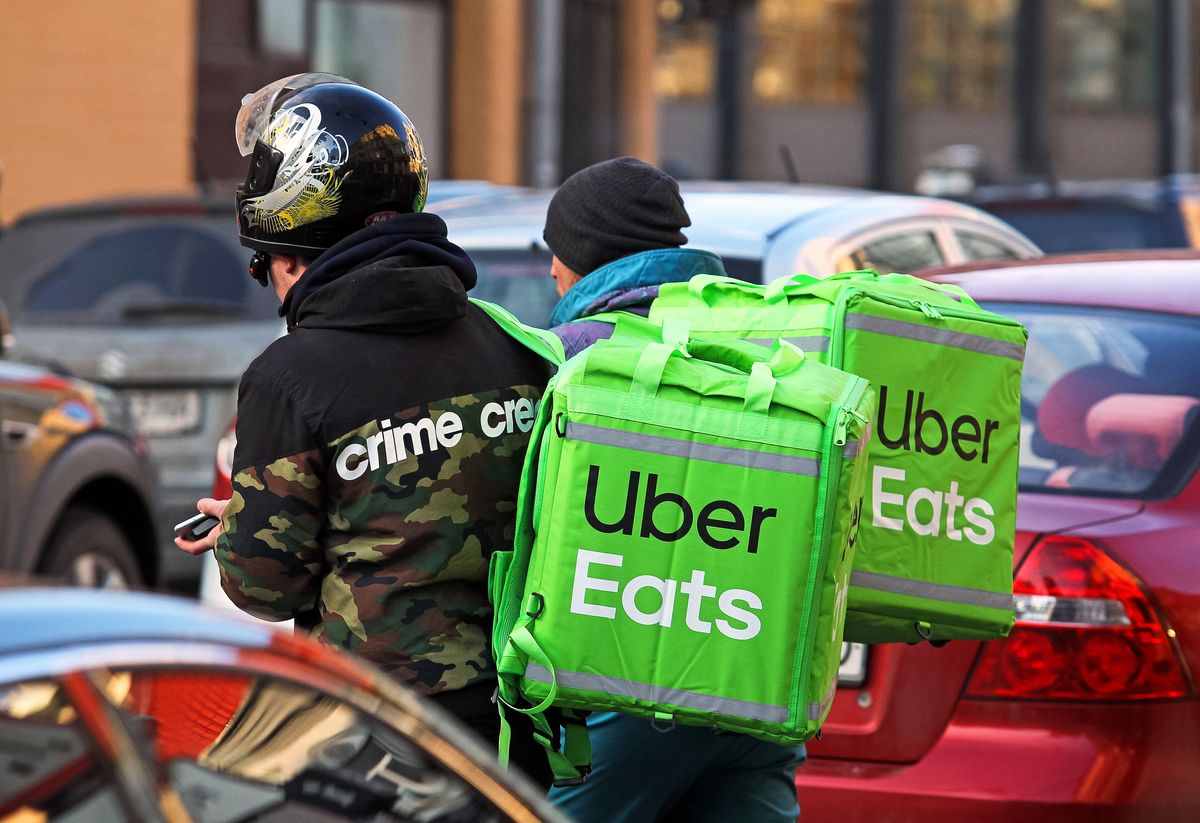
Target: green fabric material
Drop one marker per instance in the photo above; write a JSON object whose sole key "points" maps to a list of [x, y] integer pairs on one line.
{"points": [[685, 535], [541, 341], [937, 529]]}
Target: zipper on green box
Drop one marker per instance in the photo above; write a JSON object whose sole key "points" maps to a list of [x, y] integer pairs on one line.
{"points": [[842, 428], [543, 449], [837, 343], [942, 312], [844, 410], [979, 316]]}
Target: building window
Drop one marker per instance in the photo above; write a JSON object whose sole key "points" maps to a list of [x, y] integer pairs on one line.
{"points": [[1108, 49], [685, 68], [962, 54], [809, 52], [283, 27], [394, 48]]}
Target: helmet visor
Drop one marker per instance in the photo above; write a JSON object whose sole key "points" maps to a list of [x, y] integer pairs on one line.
{"points": [[257, 107]]}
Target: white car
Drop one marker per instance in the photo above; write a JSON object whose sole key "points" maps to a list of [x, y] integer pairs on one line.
{"points": [[762, 231]]}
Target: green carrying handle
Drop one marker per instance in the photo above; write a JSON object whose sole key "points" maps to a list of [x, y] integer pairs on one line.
{"points": [[701, 283], [747, 358], [673, 331], [777, 291], [774, 292], [785, 356], [759, 389], [628, 324], [959, 292], [528, 649], [740, 356], [859, 275], [648, 373], [569, 764]]}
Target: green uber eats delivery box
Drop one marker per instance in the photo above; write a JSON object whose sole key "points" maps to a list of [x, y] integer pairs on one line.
{"points": [[686, 525], [935, 557]]}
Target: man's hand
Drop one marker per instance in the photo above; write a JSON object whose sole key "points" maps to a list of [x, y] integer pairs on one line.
{"points": [[209, 506]]}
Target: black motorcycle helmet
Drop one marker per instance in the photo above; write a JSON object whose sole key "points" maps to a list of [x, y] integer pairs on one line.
{"points": [[327, 157]]}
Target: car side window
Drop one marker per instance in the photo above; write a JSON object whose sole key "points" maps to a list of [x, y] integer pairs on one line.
{"points": [[125, 264], [739, 268], [49, 766], [138, 273], [979, 247], [237, 746], [904, 252], [517, 279], [211, 270]]}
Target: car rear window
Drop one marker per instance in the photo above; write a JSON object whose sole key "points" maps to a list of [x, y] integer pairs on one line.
{"points": [[517, 279], [1093, 228], [1110, 400], [119, 271]]}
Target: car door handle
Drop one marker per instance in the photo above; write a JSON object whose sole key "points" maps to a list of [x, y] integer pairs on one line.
{"points": [[15, 434]]}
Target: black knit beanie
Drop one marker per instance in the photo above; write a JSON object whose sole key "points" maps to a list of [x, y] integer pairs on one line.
{"points": [[613, 209]]}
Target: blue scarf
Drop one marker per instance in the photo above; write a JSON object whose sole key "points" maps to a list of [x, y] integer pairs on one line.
{"points": [[647, 268]]}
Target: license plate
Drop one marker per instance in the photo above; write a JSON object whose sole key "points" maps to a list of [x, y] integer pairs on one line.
{"points": [[853, 671], [165, 413]]}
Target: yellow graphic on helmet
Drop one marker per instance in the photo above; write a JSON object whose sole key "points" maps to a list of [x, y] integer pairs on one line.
{"points": [[417, 164], [307, 186]]}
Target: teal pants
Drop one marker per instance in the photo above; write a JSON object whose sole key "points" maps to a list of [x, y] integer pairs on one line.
{"points": [[643, 772]]}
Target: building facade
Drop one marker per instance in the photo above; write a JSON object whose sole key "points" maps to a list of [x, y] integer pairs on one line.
{"points": [[854, 92], [90, 106], [862, 92]]}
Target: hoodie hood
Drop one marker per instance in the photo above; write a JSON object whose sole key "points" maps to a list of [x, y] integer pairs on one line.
{"points": [[400, 275], [616, 285]]}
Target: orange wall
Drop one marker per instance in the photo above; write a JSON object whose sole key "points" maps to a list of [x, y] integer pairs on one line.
{"points": [[97, 99], [489, 87], [639, 105], [486, 89]]}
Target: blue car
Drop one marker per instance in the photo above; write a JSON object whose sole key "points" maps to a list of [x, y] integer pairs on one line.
{"points": [[1100, 215]]}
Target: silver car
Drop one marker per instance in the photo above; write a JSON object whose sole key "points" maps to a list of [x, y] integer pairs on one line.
{"points": [[153, 297], [763, 231], [150, 297]]}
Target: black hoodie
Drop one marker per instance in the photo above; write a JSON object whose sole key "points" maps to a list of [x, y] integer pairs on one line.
{"points": [[379, 453]]}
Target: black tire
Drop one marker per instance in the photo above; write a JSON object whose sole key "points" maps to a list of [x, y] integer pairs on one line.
{"points": [[88, 549]]}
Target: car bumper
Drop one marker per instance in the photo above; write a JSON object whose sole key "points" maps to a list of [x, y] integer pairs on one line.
{"points": [[1004, 761]]}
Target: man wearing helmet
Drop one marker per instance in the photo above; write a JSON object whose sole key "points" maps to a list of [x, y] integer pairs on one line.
{"points": [[371, 480]]}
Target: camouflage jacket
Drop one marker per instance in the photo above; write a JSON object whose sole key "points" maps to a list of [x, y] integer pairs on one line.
{"points": [[379, 453]]}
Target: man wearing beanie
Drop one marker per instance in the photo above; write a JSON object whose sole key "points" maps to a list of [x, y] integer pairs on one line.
{"points": [[615, 229]]}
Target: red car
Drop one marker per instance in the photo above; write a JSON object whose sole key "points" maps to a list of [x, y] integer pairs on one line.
{"points": [[1089, 709]]}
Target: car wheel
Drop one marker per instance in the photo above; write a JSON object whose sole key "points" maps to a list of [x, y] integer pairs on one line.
{"points": [[89, 550]]}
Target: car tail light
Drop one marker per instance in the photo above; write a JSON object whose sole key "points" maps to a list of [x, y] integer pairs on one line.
{"points": [[223, 482], [1085, 630]]}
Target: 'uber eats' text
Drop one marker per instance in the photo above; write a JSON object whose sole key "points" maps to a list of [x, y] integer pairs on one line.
{"points": [[653, 501], [720, 525], [926, 430]]}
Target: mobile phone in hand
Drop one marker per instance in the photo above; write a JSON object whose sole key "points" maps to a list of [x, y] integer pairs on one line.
{"points": [[196, 527]]}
